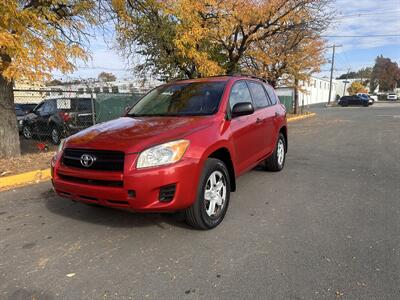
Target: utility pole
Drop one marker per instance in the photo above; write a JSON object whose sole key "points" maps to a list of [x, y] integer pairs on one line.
{"points": [[346, 82], [332, 65]]}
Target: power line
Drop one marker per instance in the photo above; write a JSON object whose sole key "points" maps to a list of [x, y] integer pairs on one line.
{"points": [[369, 14], [361, 36]]}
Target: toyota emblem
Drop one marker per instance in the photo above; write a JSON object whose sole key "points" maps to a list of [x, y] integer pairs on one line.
{"points": [[87, 160]]}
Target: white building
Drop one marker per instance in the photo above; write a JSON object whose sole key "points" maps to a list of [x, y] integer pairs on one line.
{"points": [[313, 91], [85, 89]]}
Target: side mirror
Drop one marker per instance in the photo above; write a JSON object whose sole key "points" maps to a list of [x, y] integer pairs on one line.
{"points": [[242, 109]]}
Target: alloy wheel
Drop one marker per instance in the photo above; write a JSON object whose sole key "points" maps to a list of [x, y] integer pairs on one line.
{"points": [[215, 194]]}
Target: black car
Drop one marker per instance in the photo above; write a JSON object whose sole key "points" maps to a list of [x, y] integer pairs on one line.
{"points": [[58, 118], [353, 100], [21, 110]]}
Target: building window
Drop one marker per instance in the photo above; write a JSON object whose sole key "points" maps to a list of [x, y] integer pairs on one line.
{"points": [[115, 89], [97, 89], [106, 89], [81, 90]]}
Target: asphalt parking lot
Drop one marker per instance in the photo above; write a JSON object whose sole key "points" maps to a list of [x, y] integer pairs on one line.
{"points": [[326, 227]]}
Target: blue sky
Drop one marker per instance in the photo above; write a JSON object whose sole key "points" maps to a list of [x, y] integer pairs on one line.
{"points": [[360, 18], [354, 18]]}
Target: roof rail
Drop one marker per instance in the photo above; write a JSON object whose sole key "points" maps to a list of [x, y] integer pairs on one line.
{"points": [[238, 75], [250, 76]]}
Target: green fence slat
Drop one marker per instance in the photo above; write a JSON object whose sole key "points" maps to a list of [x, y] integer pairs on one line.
{"points": [[112, 106], [288, 102]]}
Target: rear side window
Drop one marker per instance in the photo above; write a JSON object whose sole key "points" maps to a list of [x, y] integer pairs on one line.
{"points": [[239, 93], [271, 94], [258, 93], [84, 104]]}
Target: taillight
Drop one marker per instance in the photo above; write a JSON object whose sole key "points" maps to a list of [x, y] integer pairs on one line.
{"points": [[65, 116]]}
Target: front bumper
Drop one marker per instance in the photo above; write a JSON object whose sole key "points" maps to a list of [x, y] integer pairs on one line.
{"points": [[137, 190]]}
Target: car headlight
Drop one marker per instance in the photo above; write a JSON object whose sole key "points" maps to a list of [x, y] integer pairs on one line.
{"points": [[162, 154], [61, 146]]}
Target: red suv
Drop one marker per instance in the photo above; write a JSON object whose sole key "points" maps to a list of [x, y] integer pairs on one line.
{"points": [[180, 148]]}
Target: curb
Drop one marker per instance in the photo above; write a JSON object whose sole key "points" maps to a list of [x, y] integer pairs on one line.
{"points": [[301, 117], [9, 182]]}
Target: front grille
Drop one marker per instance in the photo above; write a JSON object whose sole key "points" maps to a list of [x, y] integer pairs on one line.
{"points": [[110, 183], [104, 160]]}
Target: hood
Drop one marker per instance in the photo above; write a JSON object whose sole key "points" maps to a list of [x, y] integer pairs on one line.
{"points": [[135, 134]]}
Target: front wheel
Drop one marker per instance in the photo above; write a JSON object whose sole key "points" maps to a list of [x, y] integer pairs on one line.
{"points": [[55, 136], [213, 196], [27, 132], [276, 161]]}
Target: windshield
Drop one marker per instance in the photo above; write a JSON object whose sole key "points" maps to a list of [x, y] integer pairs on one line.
{"points": [[181, 99]]}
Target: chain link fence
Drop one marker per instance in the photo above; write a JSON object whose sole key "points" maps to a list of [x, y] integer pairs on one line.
{"points": [[47, 116]]}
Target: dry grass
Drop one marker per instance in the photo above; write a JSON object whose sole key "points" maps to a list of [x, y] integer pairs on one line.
{"points": [[25, 163]]}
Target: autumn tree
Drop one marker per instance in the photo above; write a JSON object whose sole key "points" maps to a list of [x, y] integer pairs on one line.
{"points": [[363, 74], [357, 87], [289, 57], [106, 77], [187, 38], [37, 37], [385, 73]]}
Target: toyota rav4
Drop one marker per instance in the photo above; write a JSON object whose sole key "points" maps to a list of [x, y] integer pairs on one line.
{"points": [[180, 148]]}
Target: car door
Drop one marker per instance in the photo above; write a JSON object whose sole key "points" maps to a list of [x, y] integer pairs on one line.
{"points": [[42, 122], [32, 118], [265, 115], [355, 100], [245, 131]]}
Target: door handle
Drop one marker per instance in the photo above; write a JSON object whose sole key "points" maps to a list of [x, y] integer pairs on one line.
{"points": [[259, 121], [277, 114]]}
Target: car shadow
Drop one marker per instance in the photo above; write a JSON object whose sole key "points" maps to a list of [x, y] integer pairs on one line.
{"points": [[106, 216]]}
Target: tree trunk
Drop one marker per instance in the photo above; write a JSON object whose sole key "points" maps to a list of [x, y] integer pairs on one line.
{"points": [[9, 137], [296, 96]]}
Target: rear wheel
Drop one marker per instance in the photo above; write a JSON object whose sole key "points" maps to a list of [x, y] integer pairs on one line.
{"points": [[276, 161], [212, 196]]}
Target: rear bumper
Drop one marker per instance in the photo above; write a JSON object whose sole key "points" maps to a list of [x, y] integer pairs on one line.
{"points": [[137, 190]]}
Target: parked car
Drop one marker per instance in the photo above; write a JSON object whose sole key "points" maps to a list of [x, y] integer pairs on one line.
{"points": [[391, 97], [58, 118], [353, 100], [21, 110], [371, 100], [180, 148]]}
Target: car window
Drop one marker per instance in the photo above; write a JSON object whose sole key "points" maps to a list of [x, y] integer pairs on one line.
{"points": [[239, 93], [187, 98], [271, 94], [49, 107], [258, 94]]}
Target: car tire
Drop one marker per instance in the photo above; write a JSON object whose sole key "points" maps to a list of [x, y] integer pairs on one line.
{"points": [[55, 135], [212, 198], [27, 132], [276, 161]]}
